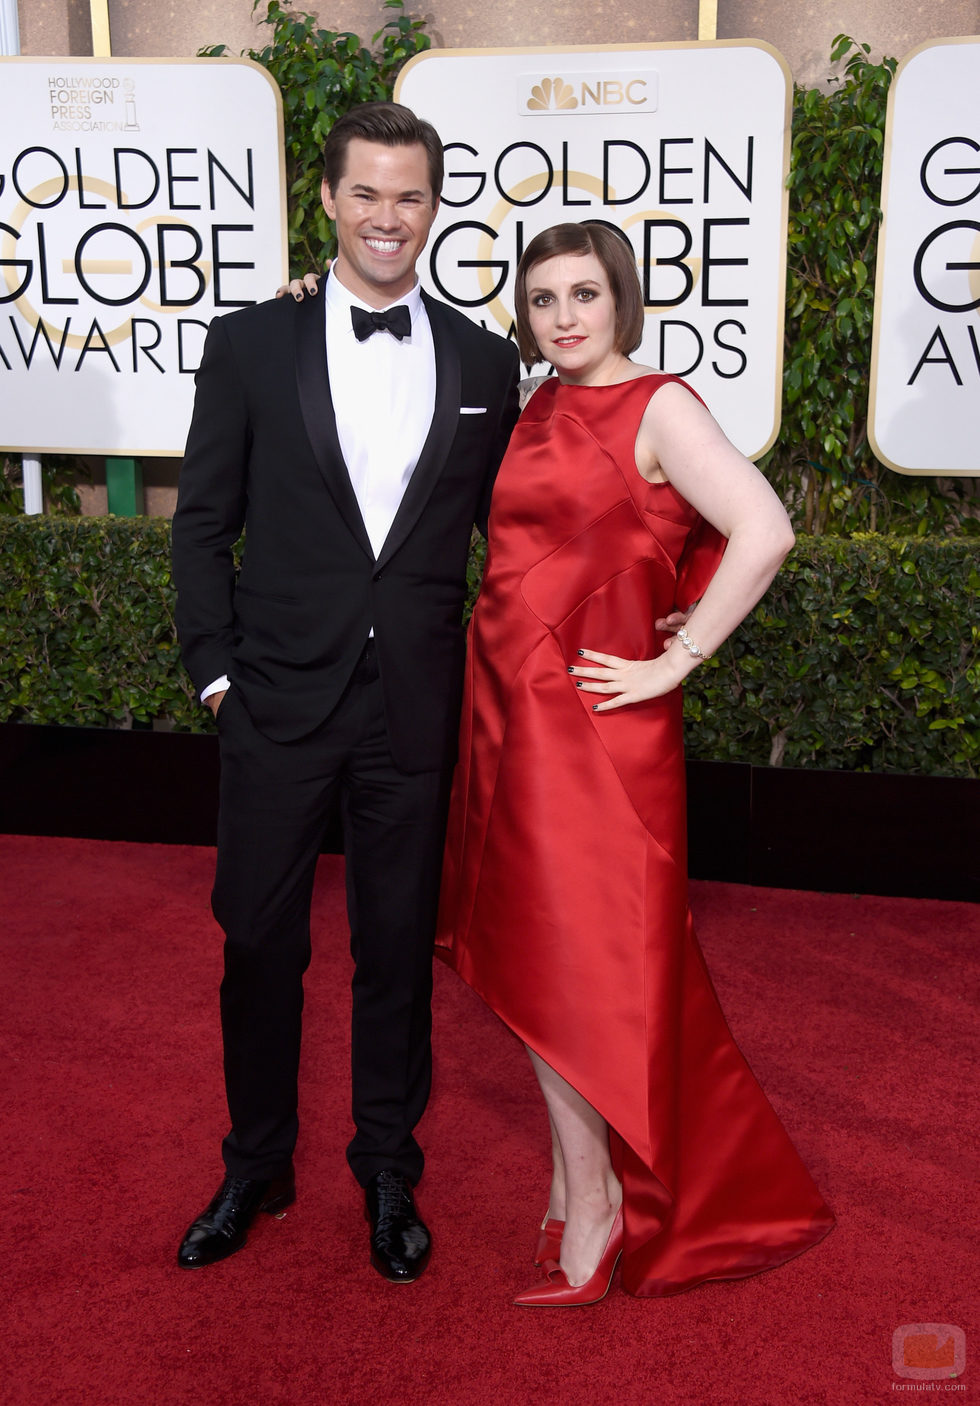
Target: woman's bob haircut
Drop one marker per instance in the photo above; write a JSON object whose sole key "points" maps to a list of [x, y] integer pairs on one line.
{"points": [[615, 254]]}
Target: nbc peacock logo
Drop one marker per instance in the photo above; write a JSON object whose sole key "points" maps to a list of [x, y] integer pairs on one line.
{"points": [[607, 91], [552, 95]]}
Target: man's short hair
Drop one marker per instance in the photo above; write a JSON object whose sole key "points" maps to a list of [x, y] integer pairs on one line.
{"points": [[388, 124], [615, 254]]}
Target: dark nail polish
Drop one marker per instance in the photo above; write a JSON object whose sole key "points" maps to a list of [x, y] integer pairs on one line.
{"points": [[578, 683], [571, 668], [581, 651], [594, 707]]}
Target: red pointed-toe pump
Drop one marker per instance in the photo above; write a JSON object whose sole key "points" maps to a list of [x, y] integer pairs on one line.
{"points": [[554, 1291]]}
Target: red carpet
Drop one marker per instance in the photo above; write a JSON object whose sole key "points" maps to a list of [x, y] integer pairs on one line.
{"points": [[858, 1014]]}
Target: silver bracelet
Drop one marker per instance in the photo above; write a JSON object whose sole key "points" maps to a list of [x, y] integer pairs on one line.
{"points": [[694, 650]]}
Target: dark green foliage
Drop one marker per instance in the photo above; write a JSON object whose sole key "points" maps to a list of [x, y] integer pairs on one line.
{"points": [[322, 74], [474, 570], [87, 629], [861, 657]]}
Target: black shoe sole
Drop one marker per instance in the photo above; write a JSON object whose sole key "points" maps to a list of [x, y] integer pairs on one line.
{"points": [[386, 1274]]}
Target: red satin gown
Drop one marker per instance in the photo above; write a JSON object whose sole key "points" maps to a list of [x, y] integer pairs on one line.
{"points": [[565, 898]]}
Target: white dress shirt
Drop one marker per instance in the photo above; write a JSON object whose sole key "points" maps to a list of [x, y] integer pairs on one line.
{"points": [[384, 395]]}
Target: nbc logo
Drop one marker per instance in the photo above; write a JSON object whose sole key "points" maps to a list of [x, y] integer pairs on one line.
{"points": [[579, 93]]}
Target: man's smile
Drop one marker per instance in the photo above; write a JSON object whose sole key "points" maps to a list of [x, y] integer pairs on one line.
{"points": [[383, 246]]}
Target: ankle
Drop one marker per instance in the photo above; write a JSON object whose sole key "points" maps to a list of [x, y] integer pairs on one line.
{"points": [[601, 1203], [556, 1201]]}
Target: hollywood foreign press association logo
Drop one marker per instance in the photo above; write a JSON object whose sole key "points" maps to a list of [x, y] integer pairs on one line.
{"points": [[83, 101]]}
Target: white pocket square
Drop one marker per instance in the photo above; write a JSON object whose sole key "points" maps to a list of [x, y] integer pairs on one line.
{"points": [[472, 409]]}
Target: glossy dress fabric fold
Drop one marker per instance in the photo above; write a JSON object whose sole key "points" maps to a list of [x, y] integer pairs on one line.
{"points": [[564, 899]]}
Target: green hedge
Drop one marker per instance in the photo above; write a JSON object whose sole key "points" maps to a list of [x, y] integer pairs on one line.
{"points": [[87, 624], [862, 657]]}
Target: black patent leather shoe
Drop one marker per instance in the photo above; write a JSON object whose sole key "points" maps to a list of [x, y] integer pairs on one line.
{"points": [[222, 1228], [400, 1242]]}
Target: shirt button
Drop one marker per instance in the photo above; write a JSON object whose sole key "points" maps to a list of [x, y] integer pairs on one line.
{"points": [[377, 575]]}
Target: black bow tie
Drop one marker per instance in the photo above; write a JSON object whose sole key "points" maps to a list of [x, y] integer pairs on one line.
{"points": [[396, 320]]}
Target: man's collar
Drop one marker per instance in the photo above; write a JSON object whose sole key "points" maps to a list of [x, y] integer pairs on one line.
{"points": [[338, 299]]}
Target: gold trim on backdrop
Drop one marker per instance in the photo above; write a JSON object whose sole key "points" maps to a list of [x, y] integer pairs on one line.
{"points": [[648, 47], [101, 41], [707, 19]]}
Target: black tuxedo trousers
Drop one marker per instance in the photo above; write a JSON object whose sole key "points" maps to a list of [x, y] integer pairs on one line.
{"points": [[275, 800]]}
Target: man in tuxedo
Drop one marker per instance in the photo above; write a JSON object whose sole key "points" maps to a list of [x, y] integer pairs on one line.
{"points": [[354, 438]]}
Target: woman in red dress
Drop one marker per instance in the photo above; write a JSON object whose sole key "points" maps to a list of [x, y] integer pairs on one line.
{"points": [[620, 501]]}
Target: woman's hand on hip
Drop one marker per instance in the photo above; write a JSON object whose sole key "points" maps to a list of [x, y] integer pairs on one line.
{"points": [[630, 680]]}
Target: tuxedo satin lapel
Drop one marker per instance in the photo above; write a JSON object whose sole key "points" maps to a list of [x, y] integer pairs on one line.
{"points": [[445, 420], [316, 402]]}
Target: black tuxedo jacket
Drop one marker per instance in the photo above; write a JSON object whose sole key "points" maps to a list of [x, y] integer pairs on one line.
{"points": [[263, 456]]}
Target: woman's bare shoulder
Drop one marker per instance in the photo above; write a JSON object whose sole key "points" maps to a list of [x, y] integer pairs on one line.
{"points": [[528, 386]]}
